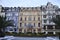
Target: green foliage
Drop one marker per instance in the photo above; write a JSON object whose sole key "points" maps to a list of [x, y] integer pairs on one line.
{"points": [[27, 34], [56, 20], [4, 23]]}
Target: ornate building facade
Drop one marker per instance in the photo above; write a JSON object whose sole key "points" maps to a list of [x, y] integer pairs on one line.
{"points": [[12, 14], [30, 19], [48, 12]]}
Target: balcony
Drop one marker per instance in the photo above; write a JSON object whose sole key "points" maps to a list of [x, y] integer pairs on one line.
{"points": [[52, 30], [48, 23]]}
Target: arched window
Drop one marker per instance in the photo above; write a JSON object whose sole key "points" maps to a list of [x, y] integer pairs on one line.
{"points": [[29, 18], [34, 24], [20, 18], [38, 18], [25, 18], [20, 24], [34, 18], [30, 25], [38, 24]]}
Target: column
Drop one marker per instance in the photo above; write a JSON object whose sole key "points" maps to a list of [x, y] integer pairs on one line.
{"points": [[17, 30], [22, 30], [26, 30], [36, 31], [32, 31], [46, 27], [53, 27], [54, 32], [46, 30], [42, 30]]}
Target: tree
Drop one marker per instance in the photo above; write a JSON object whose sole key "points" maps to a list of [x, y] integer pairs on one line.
{"points": [[4, 23], [56, 20]]}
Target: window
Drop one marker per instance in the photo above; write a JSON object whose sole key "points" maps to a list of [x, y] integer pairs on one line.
{"points": [[11, 29], [9, 18], [30, 25], [49, 14], [14, 18], [21, 19], [39, 29], [38, 24], [29, 18], [44, 16], [34, 18], [20, 24], [15, 29], [20, 30], [44, 27], [50, 19], [50, 27], [34, 31], [38, 18], [13, 9], [34, 24], [16, 14], [9, 10], [13, 14], [25, 18], [24, 24], [9, 14], [45, 21]]}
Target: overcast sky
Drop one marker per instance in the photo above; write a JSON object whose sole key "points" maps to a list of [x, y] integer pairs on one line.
{"points": [[27, 3]]}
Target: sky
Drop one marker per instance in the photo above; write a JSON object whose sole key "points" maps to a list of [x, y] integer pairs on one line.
{"points": [[27, 3]]}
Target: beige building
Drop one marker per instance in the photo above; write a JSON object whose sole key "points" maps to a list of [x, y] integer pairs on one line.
{"points": [[30, 20]]}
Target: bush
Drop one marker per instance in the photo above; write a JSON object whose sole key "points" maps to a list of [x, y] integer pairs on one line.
{"points": [[29, 34], [2, 34]]}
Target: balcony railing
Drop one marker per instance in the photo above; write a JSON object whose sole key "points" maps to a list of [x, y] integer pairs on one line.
{"points": [[52, 30]]}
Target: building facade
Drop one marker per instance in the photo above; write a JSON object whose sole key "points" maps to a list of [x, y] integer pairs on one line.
{"points": [[48, 12], [30, 20], [12, 14]]}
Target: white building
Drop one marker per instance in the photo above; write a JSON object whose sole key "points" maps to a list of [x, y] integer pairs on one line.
{"points": [[12, 14], [48, 11]]}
